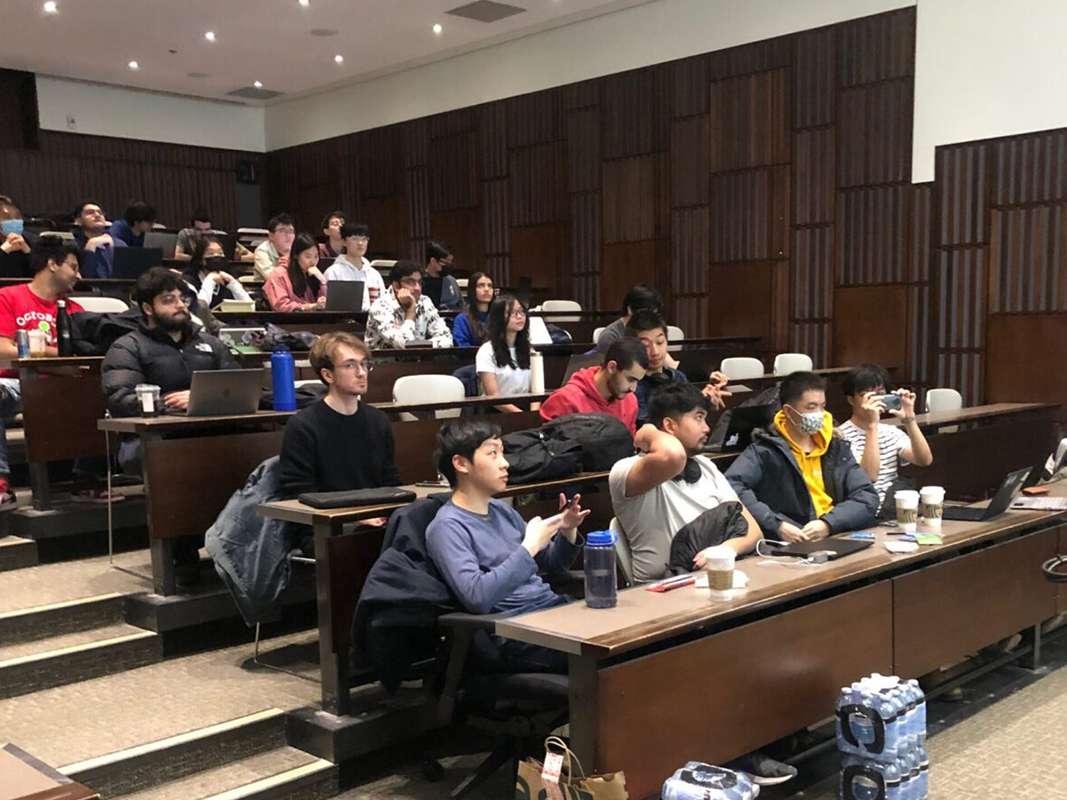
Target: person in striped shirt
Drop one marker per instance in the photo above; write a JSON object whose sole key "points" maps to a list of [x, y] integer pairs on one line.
{"points": [[880, 448]]}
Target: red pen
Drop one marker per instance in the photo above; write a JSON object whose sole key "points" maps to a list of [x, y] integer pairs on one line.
{"points": [[676, 583]]}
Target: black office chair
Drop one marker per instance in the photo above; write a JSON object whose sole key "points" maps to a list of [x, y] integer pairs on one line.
{"points": [[524, 708]]}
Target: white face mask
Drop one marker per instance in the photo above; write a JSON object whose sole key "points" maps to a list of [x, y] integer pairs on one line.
{"points": [[811, 422]]}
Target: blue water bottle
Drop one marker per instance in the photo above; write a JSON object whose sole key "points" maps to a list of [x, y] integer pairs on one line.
{"points": [[284, 385], [600, 569]]}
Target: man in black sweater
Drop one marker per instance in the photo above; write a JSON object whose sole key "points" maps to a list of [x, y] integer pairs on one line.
{"points": [[338, 443]]}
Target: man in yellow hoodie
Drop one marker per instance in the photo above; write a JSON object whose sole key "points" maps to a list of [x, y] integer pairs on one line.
{"points": [[799, 480]]}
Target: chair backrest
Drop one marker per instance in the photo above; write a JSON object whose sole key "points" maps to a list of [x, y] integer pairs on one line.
{"points": [[102, 305], [462, 283], [253, 232], [561, 305], [788, 363], [741, 367], [623, 557], [384, 266], [426, 389], [674, 334], [597, 332], [943, 400]]}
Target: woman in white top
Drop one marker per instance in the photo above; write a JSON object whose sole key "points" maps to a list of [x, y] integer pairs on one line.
{"points": [[503, 362], [352, 266], [207, 276]]}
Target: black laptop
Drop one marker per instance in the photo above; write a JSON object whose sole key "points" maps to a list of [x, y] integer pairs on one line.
{"points": [[735, 427], [130, 262], [834, 547], [1012, 485], [344, 296]]}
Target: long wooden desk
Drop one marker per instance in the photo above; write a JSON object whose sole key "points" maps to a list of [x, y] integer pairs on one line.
{"points": [[771, 660]]}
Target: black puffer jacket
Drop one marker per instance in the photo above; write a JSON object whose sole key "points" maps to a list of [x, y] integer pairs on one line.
{"points": [[149, 355]]}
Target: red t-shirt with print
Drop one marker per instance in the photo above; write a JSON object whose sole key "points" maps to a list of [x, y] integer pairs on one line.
{"points": [[21, 309]]}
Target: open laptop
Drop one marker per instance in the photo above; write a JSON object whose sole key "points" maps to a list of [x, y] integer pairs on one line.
{"points": [[130, 262], [167, 242], [344, 296], [225, 392], [581, 361], [734, 429], [834, 546], [1011, 486]]}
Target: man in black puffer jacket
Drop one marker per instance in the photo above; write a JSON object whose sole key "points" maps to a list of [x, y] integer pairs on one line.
{"points": [[165, 351]]}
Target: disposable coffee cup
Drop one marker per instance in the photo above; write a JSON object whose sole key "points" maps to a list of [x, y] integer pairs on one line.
{"points": [[38, 343], [147, 399], [720, 570], [907, 510], [932, 501]]}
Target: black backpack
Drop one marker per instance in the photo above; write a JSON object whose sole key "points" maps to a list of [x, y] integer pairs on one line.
{"points": [[532, 456], [604, 438]]}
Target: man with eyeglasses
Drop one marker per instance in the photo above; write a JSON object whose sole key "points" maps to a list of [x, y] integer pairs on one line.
{"points": [[273, 253], [339, 443], [404, 315], [352, 265], [165, 350]]}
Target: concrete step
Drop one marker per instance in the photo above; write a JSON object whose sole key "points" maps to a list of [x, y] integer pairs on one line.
{"points": [[31, 666], [57, 619], [16, 553]]}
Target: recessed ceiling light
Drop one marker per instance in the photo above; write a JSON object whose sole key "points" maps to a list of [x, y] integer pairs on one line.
{"points": [[210, 36], [133, 65], [437, 28], [304, 3], [50, 7], [339, 59], [258, 84]]}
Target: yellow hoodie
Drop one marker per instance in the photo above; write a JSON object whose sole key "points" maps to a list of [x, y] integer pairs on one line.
{"points": [[811, 463]]}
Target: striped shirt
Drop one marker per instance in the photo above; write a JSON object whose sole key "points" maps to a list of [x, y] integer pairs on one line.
{"points": [[892, 442]]}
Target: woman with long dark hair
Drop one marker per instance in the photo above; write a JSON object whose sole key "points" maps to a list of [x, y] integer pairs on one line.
{"points": [[470, 329], [503, 362], [207, 275], [300, 286]]}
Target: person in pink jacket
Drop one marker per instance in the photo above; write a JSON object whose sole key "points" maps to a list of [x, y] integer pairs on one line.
{"points": [[607, 389], [299, 286]]}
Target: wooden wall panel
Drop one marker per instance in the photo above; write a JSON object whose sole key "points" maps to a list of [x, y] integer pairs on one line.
{"points": [[741, 216], [634, 112], [814, 176], [534, 118], [454, 172], [874, 133], [585, 237], [583, 150], [963, 174], [689, 251], [1028, 260], [813, 273], [1021, 350], [812, 338], [877, 48], [747, 59], [689, 162], [1031, 169], [872, 235], [535, 181], [868, 321], [815, 78], [689, 86], [379, 161], [737, 299], [494, 218], [629, 199], [626, 263], [749, 121]]}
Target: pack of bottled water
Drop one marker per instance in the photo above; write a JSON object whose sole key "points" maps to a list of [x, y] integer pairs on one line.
{"points": [[699, 781], [881, 730]]}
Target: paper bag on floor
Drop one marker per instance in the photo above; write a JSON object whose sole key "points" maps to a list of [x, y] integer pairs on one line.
{"points": [[573, 784]]}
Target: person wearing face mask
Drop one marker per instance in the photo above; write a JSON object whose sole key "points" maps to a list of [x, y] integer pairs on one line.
{"points": [[15, 242], [800, 479], [437, 283], [671, 487], [208, 277], [274, 252], [607, 389], [649, 328]]}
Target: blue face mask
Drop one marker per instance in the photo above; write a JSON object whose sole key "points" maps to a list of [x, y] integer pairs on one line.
{"points": [[10, 226]]}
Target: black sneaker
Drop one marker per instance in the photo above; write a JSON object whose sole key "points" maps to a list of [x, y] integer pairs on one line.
{"points": [[763, 770]]}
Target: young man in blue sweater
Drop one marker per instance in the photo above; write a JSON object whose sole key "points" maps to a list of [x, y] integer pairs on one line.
{"points": [[487, 554]]}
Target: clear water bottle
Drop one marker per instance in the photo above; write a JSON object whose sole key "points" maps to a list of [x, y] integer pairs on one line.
{"points": [[600, 583], [866, 779], [924, 774], [699, 781], [920, 708], [282, 376]]}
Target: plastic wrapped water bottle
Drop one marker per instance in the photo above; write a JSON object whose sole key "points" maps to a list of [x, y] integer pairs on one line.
{"points": [[699, 781], [924, 774], [920, 708], [866, 779]]}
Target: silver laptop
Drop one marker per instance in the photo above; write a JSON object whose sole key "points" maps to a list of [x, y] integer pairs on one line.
{"points": [[225, 392], [344, 296]]}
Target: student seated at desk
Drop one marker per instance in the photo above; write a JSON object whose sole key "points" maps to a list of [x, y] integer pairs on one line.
{"points": [[208, 277], [200, 226], [437, 284], [333, 244], [880, 448], [607, 389], [404, 314], [672, 487], [135, 223], [799, 480], [639, 298], [470, 328], [274, 252], [32, 307], [16, 243], [649, 328], [338, 443], [354, 266], [503, 362], [300, 286], [93, 238], [487, 554]]}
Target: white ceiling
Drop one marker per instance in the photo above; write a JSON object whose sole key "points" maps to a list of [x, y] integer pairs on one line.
{"points": [[264, 40]]}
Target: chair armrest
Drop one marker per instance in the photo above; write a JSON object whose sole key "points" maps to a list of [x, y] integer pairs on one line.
{"points": [[462, 628], [459, 621]]}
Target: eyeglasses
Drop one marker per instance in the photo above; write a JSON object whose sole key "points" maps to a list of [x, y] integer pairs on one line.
{"points": [[517, 312], [360, 239], [357, 366]]}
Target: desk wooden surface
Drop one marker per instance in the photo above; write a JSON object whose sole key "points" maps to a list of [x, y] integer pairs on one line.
{"points": [[977, 414], [642, 617], [180, 424]]}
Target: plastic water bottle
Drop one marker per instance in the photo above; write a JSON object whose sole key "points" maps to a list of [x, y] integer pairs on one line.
{"points": [[866, 779], [920, 708], [282, 380], [699, 781], [924, 774], [600, 583]]}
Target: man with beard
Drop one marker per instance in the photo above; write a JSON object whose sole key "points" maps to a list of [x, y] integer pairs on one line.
{"points": [[670, 484], [32, 307], [165, 351], [607, 389]]}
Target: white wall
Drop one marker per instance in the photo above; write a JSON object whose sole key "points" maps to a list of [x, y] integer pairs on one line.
{"points": [[986, 68], [635, 37], [130, 113]]}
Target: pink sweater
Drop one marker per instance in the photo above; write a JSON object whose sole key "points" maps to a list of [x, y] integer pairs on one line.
{"points": [[279, 292]]}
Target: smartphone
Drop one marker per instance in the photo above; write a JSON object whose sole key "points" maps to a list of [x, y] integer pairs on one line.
{"points": [[569, 504], [892, 402]]}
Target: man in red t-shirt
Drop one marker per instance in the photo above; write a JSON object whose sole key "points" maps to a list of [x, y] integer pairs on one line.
{"points": [[32, 306]]}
